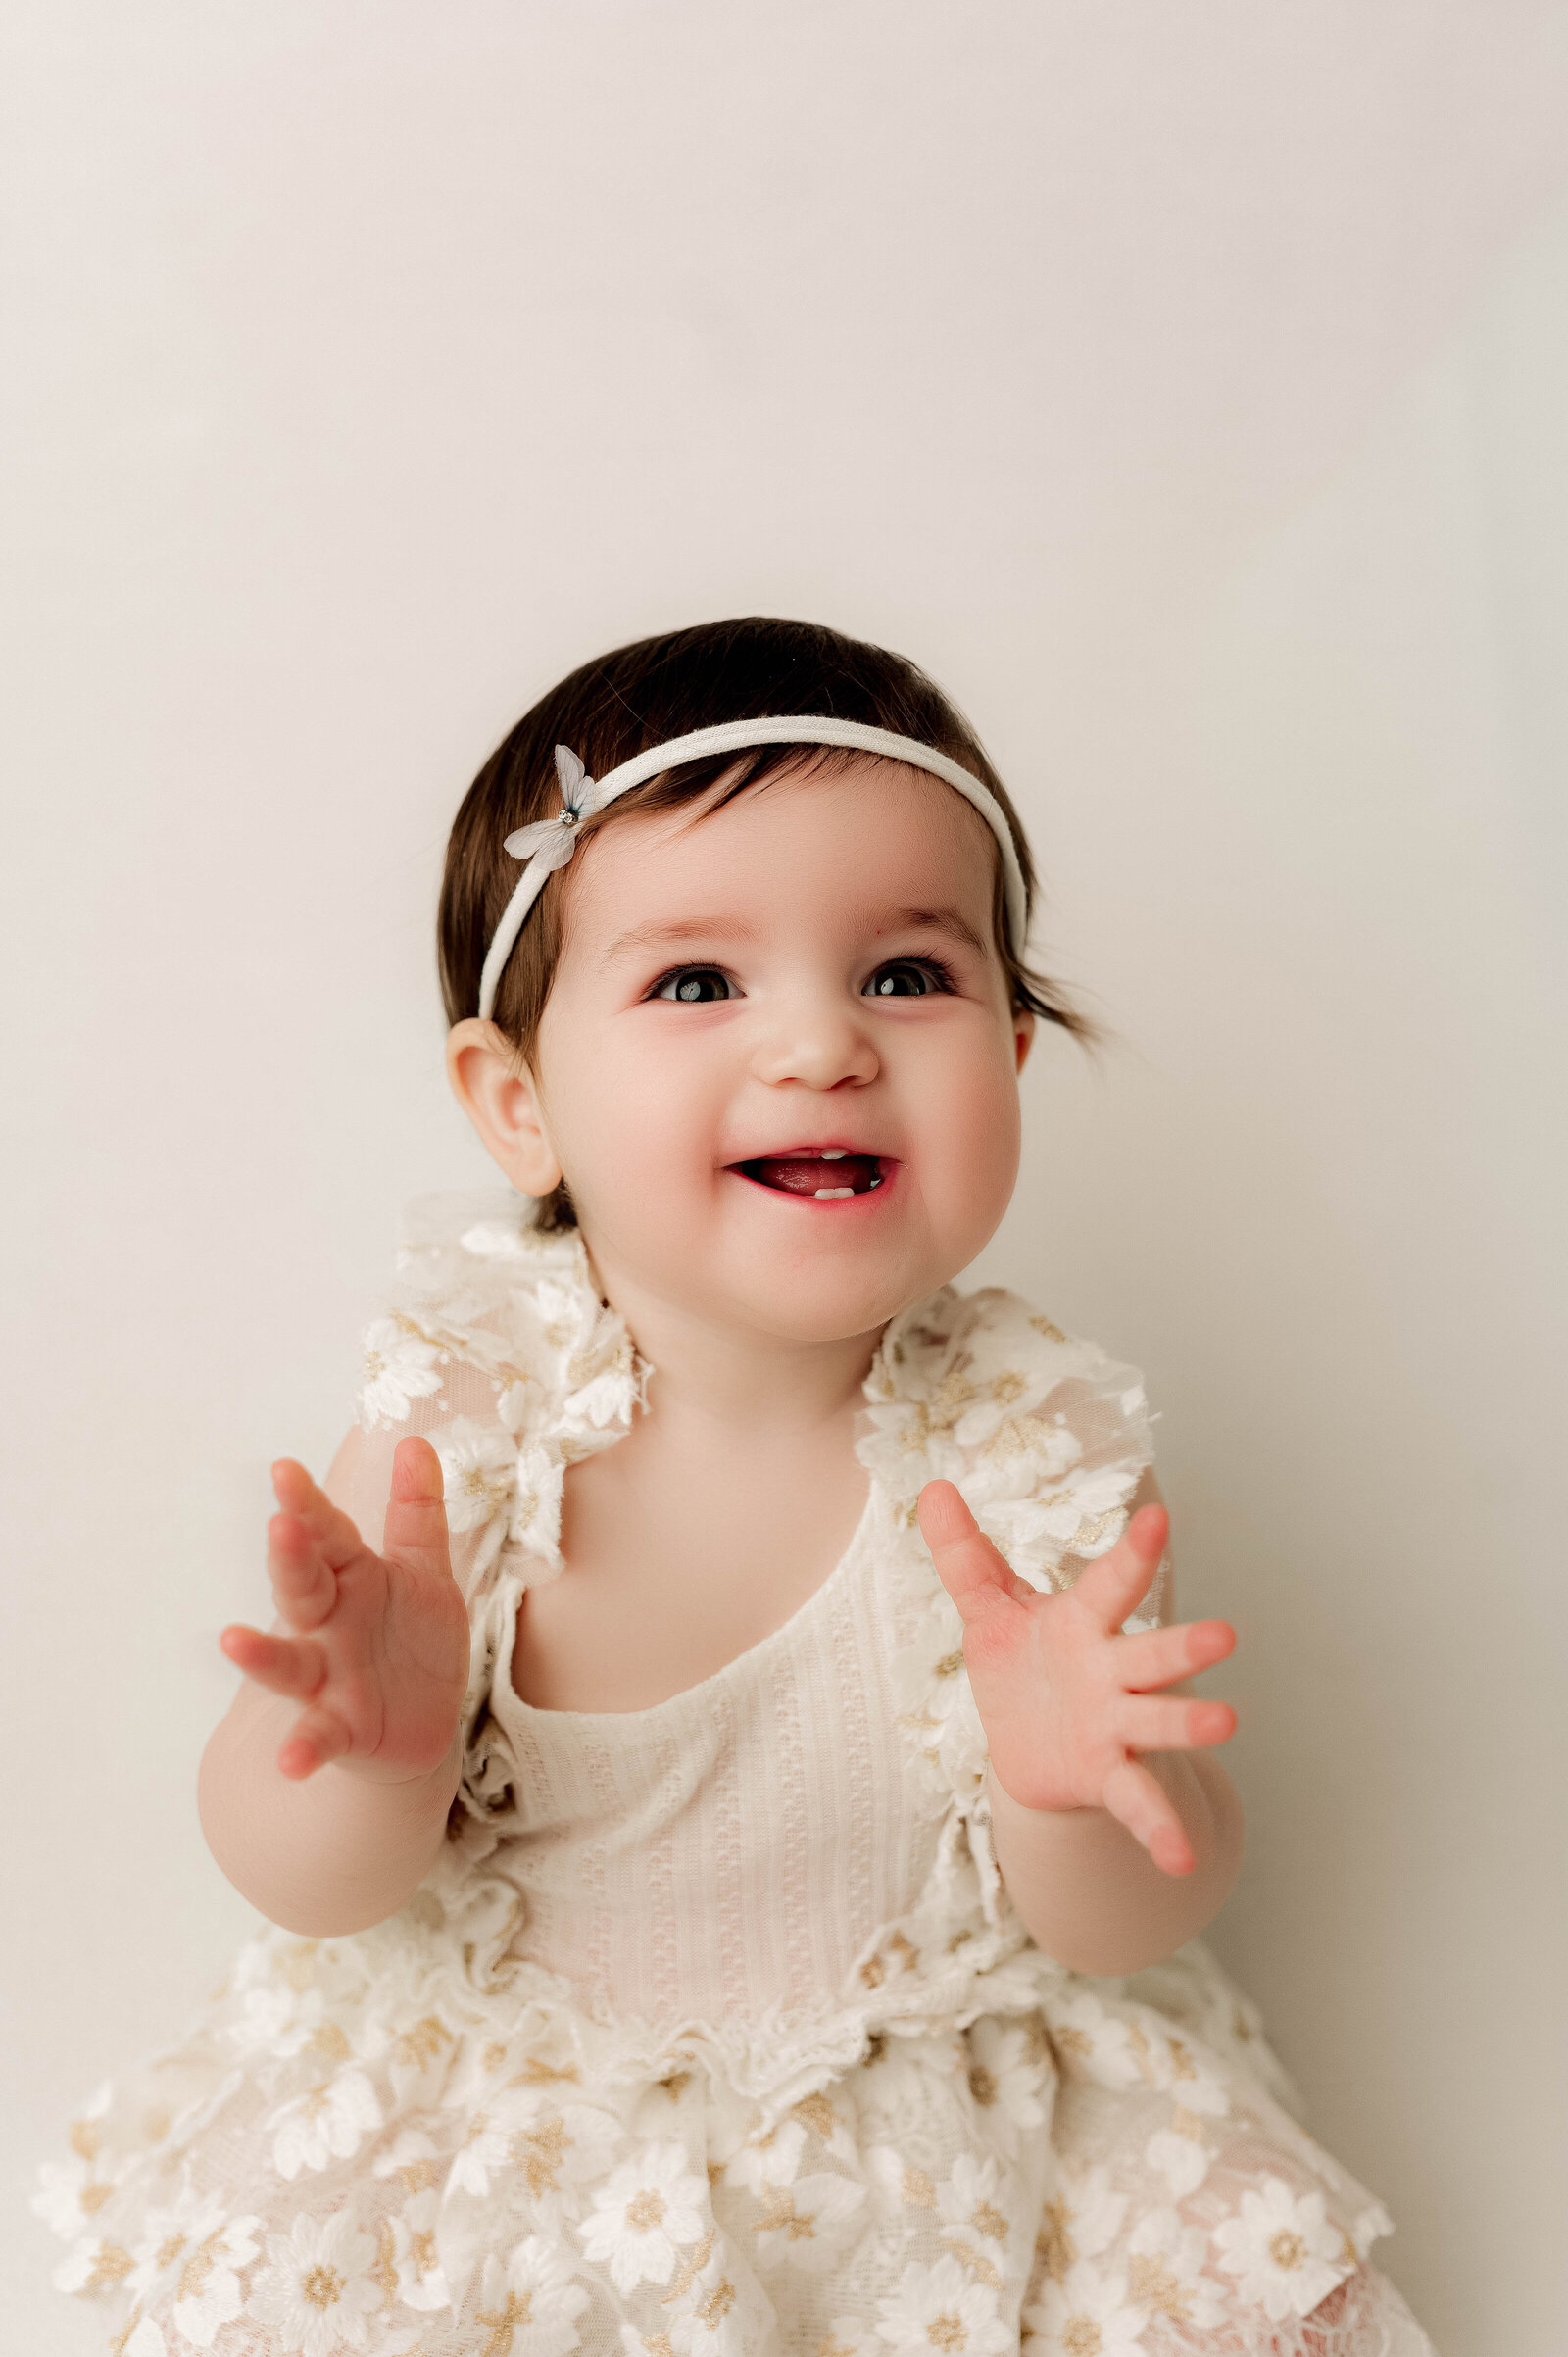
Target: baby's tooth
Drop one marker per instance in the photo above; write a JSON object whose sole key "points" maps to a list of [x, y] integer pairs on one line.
{"points": [[833, 1154], [828, 1195]]}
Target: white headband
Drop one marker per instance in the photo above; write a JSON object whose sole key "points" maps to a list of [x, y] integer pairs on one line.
{"points": [[550, 842]]}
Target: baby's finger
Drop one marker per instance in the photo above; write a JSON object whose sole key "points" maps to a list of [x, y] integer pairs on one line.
{"points": [[316, 1736], [1138, 1801], [284, 1665], [416, 1529], [971, 1570], [1117, 1582], [1159, 1657], [297, 1495], [1144, 1724], [304, 1583]]}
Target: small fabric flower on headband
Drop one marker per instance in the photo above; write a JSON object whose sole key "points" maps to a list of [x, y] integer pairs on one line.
{"points": [[552, 841]]}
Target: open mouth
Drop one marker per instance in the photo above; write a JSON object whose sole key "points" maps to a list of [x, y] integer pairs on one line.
{"points": [[827, 1174]]}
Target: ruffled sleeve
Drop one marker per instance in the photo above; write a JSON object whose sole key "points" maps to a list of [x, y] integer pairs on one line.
{"points": [[495, 1346], [1047, 1438]]}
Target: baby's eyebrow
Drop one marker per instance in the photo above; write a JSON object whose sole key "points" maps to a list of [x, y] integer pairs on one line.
{"points": [[934, 921], [678, 929]]}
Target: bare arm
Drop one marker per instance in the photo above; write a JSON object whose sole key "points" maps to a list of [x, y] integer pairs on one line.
{"points": [[323, 1792], [1118, 1839]]}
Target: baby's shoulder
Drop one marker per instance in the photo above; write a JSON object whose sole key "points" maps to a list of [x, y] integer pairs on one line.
{"points": [[1046, 1434]]}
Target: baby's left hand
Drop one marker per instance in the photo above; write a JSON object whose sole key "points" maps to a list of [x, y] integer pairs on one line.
{"points": [[1065, 1699]]}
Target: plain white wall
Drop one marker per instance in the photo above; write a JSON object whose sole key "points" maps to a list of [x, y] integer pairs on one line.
{"points": [[1185, 386]]}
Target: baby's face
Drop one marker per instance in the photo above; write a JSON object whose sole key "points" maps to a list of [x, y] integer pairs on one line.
{"points": [[779, 1064]]}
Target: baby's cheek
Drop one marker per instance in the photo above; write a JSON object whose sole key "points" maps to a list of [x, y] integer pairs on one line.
{"points": [[973, 1146], [638, 1145]]}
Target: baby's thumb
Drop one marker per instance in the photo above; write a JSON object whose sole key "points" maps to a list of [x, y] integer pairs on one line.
{"points": [[415, 1531], [970, 1569]]}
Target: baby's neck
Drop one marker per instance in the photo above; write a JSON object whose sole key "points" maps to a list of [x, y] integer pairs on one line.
{"points": [[736, 1379], [717, 1516]]}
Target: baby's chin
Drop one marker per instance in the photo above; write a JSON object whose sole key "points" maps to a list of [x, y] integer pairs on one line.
{"points": [[811, 1283], [824, 1306]]}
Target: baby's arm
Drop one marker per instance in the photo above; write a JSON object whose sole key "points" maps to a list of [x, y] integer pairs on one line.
{"points": [[324, 1791], [1116, 1837]]}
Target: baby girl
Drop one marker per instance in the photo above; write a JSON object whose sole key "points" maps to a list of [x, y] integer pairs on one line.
{"points": [[722, 1778]]}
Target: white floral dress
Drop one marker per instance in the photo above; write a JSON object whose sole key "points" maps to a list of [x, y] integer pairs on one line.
{"points": [[714, 2032]]}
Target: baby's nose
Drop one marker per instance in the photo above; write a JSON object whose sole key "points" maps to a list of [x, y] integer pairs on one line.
{"points": [[818, 1044]]}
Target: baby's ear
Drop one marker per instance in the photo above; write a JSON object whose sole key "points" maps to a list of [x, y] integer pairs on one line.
{"points": [[1023, 1034], [501, 1102]]}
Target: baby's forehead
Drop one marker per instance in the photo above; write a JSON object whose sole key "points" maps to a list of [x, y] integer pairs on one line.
{"points": [[844, 831]]}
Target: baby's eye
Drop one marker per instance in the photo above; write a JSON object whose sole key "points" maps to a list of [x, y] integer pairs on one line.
{"points": [[693, 986], [908, 978]]}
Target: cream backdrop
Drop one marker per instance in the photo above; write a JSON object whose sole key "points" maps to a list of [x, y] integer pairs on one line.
{"points": [[1185, 385]]}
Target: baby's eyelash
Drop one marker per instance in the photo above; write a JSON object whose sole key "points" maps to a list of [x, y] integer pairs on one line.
{"points": [[669, 985], [680, 973], [947, 979]]}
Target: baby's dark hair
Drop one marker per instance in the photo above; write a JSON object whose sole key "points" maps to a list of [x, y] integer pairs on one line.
{"points": [[645, 694]]}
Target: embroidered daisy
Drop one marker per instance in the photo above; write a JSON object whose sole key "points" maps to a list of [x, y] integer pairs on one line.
{"points": [[807, 2222], [557, 2149], [73, 2192], [1165, 2271], [1282, 2251], [70, 2196], [550, 2148], [400, 1367], [1005, 1424], [903, 2184], [1086, 2315], [711, 2328], [415, 2159], [647, 2207], [819, 2117], [530, 2303], [328, 2123], [1096, 2043], [535, 1522], [1084, 1516], [1180, 2153], [712, 2318], [936, 1704], [479, 1471], [771, 2159], [976, 2227], [91, 2266], [203, 2249], [939, 2312], [1008, 2074], [318, 2291], [1081, 2219], [486, 2149], [275, 2017], [416, 2255], [1184, 2076]]}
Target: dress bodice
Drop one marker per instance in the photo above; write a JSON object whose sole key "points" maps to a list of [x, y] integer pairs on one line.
{"points": [[733, 1849]]}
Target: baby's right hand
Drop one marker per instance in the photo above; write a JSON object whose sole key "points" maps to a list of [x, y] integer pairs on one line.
{"points": [[378, 1653]]}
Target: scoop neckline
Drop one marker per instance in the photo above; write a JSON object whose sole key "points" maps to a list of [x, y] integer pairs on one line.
{"points": [[737, 1662]]}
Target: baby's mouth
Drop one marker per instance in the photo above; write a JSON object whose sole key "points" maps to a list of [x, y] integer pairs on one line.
{"points": [[829, 1176]]}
